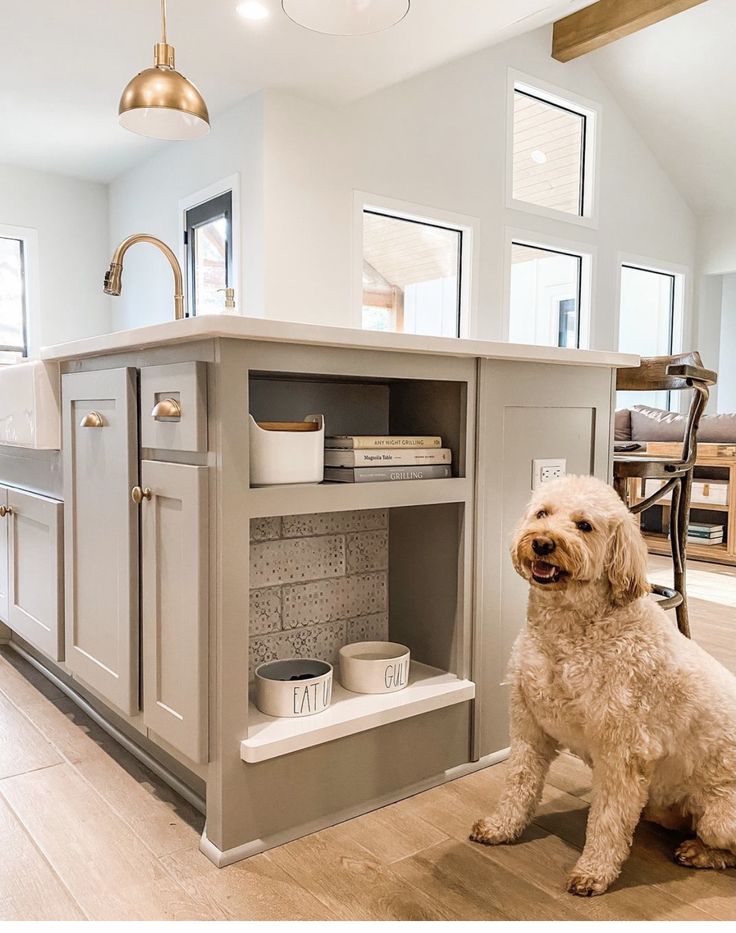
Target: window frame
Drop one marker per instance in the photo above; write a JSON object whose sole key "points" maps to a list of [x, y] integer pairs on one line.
{"points": [[680, 310], [572, 103], [231, 185], [586, 255], [28, 237], [468, 256]]}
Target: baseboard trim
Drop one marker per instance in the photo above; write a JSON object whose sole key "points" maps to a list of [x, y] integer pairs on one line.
{"points": [[222, 858]]}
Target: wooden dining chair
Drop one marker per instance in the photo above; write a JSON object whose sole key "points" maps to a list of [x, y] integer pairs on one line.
{"points": [[670, 373]]}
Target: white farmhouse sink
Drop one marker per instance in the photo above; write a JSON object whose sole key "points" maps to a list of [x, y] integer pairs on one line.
{"points": [[29, 405]]}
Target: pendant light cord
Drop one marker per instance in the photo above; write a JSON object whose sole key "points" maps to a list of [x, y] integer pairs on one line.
{"points": [[163, 21]]}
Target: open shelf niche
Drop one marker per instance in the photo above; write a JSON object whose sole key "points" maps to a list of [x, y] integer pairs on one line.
{"points": [[427, 610], [353, 405]]}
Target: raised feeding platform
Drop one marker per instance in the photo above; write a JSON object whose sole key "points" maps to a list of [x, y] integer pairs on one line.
{"points": [[340, 497], [428, 689]]}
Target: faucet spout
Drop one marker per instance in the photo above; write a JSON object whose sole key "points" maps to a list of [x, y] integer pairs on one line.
{"points": [[113, 284]]}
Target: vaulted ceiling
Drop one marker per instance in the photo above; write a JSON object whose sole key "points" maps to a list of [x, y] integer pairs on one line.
{"points": [[64, 64], [676, 81]]}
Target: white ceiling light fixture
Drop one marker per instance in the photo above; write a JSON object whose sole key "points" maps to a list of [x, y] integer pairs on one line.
{"points": [[346, 17], [538, 156], [161, 103], [252, 9]]}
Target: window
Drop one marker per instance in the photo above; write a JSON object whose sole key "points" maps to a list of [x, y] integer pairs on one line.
{"points": [[208, 237], [648, 322], [551, 153], [412, 275], [546, 291], [13, 314]]}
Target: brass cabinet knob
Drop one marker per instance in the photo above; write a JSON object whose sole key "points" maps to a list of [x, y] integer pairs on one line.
{"points": [[166, 408], [138, 495], [5, 510], [93, 419]]}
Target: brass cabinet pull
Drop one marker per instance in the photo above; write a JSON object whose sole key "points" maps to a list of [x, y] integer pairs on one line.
{"points": [[93, 419], [138, 495], [5, 510], [166, 408]]}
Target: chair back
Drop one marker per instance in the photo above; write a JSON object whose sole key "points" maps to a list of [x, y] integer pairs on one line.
{"points": [[654, 373], [651, 373]]}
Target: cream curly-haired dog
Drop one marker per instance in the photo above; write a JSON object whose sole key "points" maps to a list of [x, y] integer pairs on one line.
{"points": [[601, 670]]}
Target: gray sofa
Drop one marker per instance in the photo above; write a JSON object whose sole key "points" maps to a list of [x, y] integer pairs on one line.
{"points": [[642, 424]]}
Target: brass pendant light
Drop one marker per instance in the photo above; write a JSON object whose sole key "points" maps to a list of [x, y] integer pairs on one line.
{"points": [[162, 103]]}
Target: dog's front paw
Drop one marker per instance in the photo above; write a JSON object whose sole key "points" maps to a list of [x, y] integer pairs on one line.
{"points": [[586, 884], [490, 832]]}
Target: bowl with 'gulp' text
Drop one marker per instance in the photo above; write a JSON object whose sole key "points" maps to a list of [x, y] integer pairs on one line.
{"points": [[374, 667]]}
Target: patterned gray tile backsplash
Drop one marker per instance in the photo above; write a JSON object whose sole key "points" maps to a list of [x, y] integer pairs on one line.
{"points": [[318, 582], [366, 552], [333, 523]]}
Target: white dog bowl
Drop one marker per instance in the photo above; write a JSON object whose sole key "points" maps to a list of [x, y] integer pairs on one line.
{"points": [[294, 687], [278, 457], [374, 667]]}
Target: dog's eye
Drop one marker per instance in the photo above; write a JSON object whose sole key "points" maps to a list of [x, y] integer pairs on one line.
{"points": [[584, 526], [542, 514]]}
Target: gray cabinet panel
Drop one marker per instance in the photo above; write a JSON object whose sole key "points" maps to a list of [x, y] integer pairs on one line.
{"points": [[4, 602], [174, 558], [35, 561], [526, 411], [101, 533]]}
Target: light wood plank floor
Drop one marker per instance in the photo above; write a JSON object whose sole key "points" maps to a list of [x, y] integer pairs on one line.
{"points": [[87, 832]]}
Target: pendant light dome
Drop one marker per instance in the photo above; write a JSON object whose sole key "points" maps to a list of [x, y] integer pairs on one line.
{"points": [[346, 17], [160, 102]]}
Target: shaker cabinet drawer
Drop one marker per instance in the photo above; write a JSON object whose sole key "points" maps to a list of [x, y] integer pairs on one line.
{"points": [[33, 533], [174, 407]]}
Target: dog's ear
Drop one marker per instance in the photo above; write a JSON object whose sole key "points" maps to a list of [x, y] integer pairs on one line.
{"points": [[627, 563]]}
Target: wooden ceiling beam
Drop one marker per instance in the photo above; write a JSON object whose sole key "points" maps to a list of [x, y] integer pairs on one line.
{"points": [[608, 20]]}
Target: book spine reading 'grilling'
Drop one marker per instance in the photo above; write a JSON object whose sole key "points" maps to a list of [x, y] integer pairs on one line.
{"points": [[387, 456], [376, 474], [365, 441]]}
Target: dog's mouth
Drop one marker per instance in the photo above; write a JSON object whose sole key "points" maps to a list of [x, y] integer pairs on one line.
{"points": [[545, 573]]}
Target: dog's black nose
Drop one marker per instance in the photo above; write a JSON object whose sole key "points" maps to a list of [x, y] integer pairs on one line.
{"points": [[543, 545]]}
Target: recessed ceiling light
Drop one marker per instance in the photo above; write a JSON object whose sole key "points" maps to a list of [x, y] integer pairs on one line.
{"points": [[538, 156], [346, 17], [252, 9]]}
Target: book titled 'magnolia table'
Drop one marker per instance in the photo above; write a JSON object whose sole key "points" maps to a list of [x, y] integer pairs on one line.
{"points": [[384, 474], [388, 456]]}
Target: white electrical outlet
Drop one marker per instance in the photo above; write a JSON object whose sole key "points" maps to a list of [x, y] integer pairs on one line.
{"points": [[544, 471]]}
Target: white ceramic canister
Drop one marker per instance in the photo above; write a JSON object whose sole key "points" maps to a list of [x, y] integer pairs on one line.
{"points": [[293, 687], [374, 667], [282, 457]]}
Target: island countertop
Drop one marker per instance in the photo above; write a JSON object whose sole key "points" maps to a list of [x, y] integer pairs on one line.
{"points": [[249, 328]]}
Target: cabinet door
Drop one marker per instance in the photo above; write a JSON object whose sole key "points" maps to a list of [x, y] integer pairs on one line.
{"points": [[174, 555], [35, 564], [100, 432], [4, 603]]}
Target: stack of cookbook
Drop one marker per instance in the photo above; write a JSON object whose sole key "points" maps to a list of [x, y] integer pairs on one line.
{"points": [[704, 533], [385, 458]]}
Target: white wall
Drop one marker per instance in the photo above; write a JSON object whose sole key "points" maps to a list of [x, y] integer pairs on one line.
{"points": [[146, 200], [717, 243], [439, 140], [70, 217], [726, 369]]}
